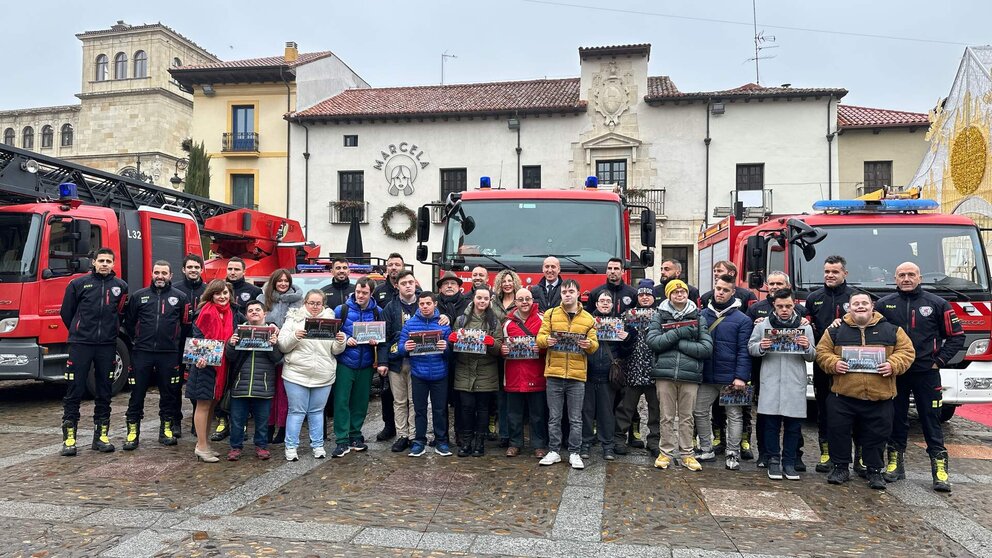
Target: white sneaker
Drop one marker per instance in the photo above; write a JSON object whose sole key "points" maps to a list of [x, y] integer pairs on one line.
{"points": [[291, 454], [733, 462], [575, 460], [319, 453], [550, 459]]}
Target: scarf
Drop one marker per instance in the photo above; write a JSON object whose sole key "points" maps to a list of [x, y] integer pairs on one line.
{"points": [[217, 322], [792, 322], [721, 309], [678, 315]]}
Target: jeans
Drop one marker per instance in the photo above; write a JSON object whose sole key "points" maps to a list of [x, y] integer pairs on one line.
{"points": [[559, 391], [676, 399], [597, 406], [790, 439], [309, 403], [437, 390], [705, 396], [926, 389], [401, 388], [259, 408], [161, 369], [81, 357], [536, 403], [351, 402]]}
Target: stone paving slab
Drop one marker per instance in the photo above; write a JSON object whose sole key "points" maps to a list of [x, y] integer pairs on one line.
{"points": [[31, 537]]}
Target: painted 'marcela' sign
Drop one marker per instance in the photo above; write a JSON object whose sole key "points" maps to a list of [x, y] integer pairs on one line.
{"points": [[400, 163]]}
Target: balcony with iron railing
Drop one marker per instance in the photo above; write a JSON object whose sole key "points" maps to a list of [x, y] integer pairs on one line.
{"points": [[240, 142], [746, 204], [653, 198], [341, 212]]}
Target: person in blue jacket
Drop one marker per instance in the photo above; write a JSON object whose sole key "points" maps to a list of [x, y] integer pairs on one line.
{"points": [[354, 378], [428, 375], [730, 365]]}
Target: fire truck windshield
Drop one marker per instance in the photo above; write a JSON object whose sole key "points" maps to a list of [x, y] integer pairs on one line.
{"points": [[515, 231], [950, 256], [19, 236]]}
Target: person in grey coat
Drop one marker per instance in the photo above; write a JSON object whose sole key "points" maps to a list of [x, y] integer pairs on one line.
{"points": [[783, 380]]}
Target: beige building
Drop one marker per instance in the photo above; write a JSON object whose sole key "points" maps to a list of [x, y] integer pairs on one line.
{"points": [[238, 113], [132, 115], [878, 148]]}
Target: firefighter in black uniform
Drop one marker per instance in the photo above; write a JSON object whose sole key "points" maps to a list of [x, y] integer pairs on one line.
{"points": [[383, 295], [91, 311], [340, 287], [244, 292], [192, 286], [154, 318], [937, 337], [824, 307]]}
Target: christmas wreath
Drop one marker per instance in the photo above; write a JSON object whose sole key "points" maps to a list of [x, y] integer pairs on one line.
{"points": [[402, 210]]}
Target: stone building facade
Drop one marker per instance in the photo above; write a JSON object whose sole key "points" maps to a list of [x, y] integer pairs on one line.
{"points": [[879, 147], [131, 115]]}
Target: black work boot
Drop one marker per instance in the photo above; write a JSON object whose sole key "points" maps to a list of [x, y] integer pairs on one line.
{"points": [[222, 431], [719, 443], [68, 439], [133, 436], [938, 468], [465, 447], [101, 438], [859, 466], [166, 435], [895, 468], [875, 480], [839, 475], [479, 445], [825, 465]]}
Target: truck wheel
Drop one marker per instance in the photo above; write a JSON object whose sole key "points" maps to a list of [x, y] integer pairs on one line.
{"points": [[122, 366], [946, 412]]}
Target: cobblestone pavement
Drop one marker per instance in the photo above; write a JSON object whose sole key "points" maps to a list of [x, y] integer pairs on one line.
{"points": [[159, 501]]}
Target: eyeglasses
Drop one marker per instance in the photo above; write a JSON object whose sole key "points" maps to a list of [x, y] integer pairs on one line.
{"points": [[315, 303], [528, 299]]}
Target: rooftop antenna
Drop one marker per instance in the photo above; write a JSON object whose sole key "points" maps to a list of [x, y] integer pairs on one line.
{"points": [[444, 58], [760, 43]]}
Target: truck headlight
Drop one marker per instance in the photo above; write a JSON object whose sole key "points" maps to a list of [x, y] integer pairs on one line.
{"points": [[7, 325], [979, 347]]}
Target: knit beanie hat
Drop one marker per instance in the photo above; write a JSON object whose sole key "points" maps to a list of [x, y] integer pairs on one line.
{"points": [[675, 284], [645, 286]]}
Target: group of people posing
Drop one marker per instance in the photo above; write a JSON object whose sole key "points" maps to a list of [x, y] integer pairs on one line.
{"points": [[574, 373]]}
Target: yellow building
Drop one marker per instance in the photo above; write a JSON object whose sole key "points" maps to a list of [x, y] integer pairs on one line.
{"points": [[878, 148], [238, 113]]}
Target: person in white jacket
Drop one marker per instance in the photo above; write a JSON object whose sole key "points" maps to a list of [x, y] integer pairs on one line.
{"points": [[308, 373]]}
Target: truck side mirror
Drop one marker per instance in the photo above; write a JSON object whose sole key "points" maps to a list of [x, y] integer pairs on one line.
{"points": [[81, 265], [422, 253], [755, 280], [80, 229], [423, 226], [757, 247], [648, 228], [647, 258]]}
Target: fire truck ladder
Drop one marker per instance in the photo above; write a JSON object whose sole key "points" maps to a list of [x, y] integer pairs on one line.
{"points": [[26, 176]]}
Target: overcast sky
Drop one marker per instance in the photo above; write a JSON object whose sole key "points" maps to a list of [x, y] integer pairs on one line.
{"points": [[703, 46]]}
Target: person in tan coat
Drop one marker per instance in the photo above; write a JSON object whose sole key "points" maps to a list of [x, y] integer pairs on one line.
{"points": [[863, 355]]}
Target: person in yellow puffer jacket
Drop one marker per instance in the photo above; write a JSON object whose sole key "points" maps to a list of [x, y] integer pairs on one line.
{"points": [[566, 370]]}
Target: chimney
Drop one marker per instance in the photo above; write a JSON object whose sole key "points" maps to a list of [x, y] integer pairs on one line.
{"points": [[291, 52]]}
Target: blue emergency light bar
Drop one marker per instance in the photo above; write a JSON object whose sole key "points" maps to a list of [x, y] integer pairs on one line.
{"points": [[873, 206], [300, 268], [485, 183], [592, 182], [67, 190]]}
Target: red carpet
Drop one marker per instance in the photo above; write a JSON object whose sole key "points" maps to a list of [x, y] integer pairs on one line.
{"points": [[980, 413]]}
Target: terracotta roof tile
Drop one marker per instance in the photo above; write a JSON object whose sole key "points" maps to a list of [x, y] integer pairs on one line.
{"points": [[748, 90], [850, 116], [555, 95], [661, 85], [264, 62]]}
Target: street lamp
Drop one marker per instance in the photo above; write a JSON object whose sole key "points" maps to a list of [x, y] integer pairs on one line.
{"points": [[181, 165]]}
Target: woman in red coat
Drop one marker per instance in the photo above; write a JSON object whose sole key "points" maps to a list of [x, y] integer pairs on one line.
{"points": [[524, 378]]}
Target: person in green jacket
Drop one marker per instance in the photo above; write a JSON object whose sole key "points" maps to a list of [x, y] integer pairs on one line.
{"points": [[477, 375], [681, 343]]}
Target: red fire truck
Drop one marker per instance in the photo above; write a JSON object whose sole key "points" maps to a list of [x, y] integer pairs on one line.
{"points": [[874, 236], [518, 229], [54, 215]]}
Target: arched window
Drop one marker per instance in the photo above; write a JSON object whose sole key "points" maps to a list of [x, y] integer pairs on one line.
{"points": [[140, 64], [67, 135], [27, 138], [120, 66], [101, 68], [47, 136], [8, 136], [176, 62]]}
